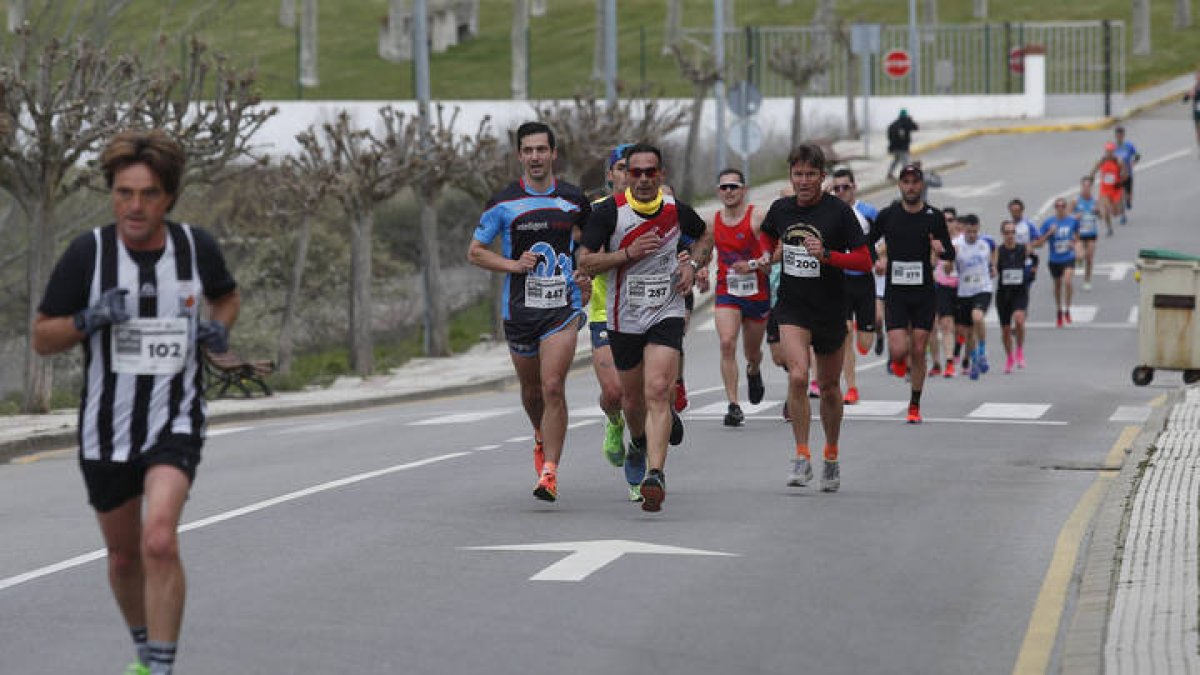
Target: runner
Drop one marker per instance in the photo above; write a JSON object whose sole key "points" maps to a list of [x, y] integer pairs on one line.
{"points": [[536, 218], [1194, 97], [1084, 210], [743, 290], [1012, 296], [816, 236], [860, 286], [1129, 156], [1062, 232], [1112, 176], [602, 360], [945, 278], [142, 417], [642, 239], [975, 262], [913, 231]]}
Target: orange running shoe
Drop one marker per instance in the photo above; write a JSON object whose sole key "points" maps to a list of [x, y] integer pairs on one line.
{"points": [[851, 396], [547, 487], [539, 455], [899, 368], [949, 372], [914, 414]]}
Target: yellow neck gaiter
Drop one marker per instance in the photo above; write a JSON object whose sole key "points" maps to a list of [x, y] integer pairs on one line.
{"points": [[644, 208]]}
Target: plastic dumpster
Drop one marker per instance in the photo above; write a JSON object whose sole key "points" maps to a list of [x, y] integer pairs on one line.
{"points": [[1168, 332]]}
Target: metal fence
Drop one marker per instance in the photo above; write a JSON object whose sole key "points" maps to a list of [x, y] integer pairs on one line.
{"points": [[1082, 57]]}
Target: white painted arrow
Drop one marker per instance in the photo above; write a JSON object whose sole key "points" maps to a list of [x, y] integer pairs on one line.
{"points": [[588, 556]]}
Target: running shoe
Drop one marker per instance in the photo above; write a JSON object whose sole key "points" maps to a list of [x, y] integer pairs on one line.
{"points": [[965, 368], [914, 414], [974, 372], [547, 487], [814, 390], [676, 429], [851, 396], [1020, 359], [862, 351], [635, 465], [981, 359], [1009, 363], [1067, 315], [879, 343], [754, 385], [137, 668], [681, 399], [1058, 322], [899, 368], [1087, 285], [734, 416], [539, 455], [831, 477], [654, 491], [1124, 220], [614, 442], [802, 472], [935, 370], [635, 493], [949, 372]]}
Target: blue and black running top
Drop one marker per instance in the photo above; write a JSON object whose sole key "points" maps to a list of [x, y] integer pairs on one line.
{"points": [[545, 224]]}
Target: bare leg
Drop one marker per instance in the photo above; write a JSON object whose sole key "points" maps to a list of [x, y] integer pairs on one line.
{"points": [[729, 325], [166, 491]]}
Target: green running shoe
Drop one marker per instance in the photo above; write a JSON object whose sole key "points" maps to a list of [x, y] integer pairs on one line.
{"points": [[614, 442], [635, 493], [137, 668]]}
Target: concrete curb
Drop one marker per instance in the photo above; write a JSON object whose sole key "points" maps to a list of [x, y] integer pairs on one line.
{"points": [[1082, 637]]}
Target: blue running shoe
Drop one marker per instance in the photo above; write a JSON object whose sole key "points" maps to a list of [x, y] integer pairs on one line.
{"points": [[975, 369], [981, 359], [635, 464]]}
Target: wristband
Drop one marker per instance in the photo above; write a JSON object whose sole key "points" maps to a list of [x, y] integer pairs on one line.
{"points": [[753, 264], [695, 265]]}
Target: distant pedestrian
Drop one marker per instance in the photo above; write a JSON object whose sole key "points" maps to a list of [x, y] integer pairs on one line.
{"points": [[1129, 156], [899, 134], [1194, 98]]}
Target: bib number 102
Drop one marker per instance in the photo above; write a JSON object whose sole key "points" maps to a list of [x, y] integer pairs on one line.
{"points": [[163, 350]]}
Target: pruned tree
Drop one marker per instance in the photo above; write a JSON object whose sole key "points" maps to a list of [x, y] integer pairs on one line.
{"points": [[1141, 28], [798, 67], [366, 170], [287, 13], [979, 9], [673, 26], [700, 68], [520, 50], [1183, 13]]}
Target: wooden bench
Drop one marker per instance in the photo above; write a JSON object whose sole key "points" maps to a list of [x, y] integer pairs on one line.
{"points": [[228, 370]]}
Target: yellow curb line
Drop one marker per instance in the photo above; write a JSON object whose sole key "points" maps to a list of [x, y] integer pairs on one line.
{"points": [[1040, 636]]}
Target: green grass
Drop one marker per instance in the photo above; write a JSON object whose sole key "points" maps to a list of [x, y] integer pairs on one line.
{"points": [[561, 42]]}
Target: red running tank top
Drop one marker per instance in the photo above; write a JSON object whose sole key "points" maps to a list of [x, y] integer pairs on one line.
{"points": [[737, 242]]}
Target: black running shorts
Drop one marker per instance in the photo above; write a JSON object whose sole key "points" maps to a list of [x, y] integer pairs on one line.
{"points": [[860, 301], [111, 484], [910, 309], [1010, 300], [628, 348], [826, 338]]}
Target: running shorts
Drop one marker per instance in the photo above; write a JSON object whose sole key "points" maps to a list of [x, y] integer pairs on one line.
{"points": [[599, 331], [910, 309], [525, 337], [1009, 301], [947, 299], [1057, 269], [111, 484], [968, 304], [860, 301], [826, 338], [628, 348], [773, 327], [754, 310]]}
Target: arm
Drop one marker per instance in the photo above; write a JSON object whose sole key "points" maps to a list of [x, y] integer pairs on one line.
{"points": [[226, 308], [942, 234], [54, 334], [857, 260], [480, 255]]}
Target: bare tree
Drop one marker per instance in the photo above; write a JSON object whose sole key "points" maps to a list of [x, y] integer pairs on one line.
{"points": [[1141, 28], [798, 67], [700, 68], [979, 9], [16, 14], [673, 27], [287, 13], [520, 50], [308, 45], [598, 43], [1183, 13], [366, 171]]}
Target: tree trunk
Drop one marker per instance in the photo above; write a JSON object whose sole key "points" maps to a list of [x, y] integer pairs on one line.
{"points": [[39, 376], [520, 50], [286, 343], [308, 45], [797, 116], [930, 10], [497, 296], [687, 184], [16, 14], [362, 353], [823, 19], [1141, 28], [730, 14], [980, 9], [437, 337], [852, 67], [1183, 13], [598, 45], [673, 25], [287, 13], [538, 8]]}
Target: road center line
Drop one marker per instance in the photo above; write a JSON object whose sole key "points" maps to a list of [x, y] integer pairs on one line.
{"points": [[235, 513]]}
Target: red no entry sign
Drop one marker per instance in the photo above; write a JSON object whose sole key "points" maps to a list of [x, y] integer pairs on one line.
{"points": [[897, 63], [1016, 60]]}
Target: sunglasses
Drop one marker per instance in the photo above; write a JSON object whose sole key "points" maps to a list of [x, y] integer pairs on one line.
{"points": [[1060, 206], [651, 172], [841, 188], [729, 187]]}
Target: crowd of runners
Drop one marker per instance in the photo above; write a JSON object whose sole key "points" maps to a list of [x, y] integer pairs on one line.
{"points": [[818, 274]]}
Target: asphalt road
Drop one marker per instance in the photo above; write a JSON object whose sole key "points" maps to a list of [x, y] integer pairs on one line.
{"points": [[346, 543]]}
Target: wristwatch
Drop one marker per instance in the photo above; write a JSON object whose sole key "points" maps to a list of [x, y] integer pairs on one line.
{"points": [[753, 264]]}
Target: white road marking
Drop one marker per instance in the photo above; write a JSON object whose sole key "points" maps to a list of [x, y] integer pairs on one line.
{"points": [[865, 408], [332, 425], [1118, 271], [720, 407], [1017, 411], [235, 513], [972, 191], [1133, 315], [582, 423], [587, 557], [1083, 313], [1131, 413], [463, 418], [482, 448], [709, 325], [519, 439], [224, 431]]}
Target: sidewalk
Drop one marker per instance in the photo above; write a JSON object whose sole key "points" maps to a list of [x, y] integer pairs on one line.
{"points": [[1136, 609]]}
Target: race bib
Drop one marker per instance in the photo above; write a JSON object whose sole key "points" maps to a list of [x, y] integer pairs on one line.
{"points": [[907, 273], [798, 263], [1062, 246], [150, 346], [1012, 277], [742, 285], [1088, 224], [545, 292], [975, 279], [648, 290], [1109, 179]]}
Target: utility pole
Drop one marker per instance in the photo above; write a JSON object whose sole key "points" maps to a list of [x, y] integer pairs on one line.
{"points": [[914, 49], [719, 85], [610, 53]]}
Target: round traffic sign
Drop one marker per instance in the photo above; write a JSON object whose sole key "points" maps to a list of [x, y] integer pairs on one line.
{"points": [[897, 63], [744, 99], [1016, 60], [745, 137]]}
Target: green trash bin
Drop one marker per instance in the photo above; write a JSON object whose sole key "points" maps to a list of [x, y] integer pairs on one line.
{"points": [[1168, 328]]}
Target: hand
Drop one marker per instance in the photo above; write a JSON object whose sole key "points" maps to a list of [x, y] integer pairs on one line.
{"points": [[584, 282], [741, 267], [109, 309], [213, 336], [938, 248], [814, 247], [526, 262], [643, 245], [687, 276], [702, 279]]}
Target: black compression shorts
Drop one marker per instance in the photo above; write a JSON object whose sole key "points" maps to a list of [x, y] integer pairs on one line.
{"points": [[827, 338], [1010, 300]]}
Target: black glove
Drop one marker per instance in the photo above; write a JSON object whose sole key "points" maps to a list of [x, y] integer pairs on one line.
{"points": [[213, 336], [109, 309]]}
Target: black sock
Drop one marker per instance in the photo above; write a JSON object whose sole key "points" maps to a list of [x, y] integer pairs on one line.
{"points": [[957, 349], [915, 399], [639, 442]]}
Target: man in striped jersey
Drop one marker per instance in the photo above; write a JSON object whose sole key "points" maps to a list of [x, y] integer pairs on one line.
{"points": [[131, 293]]}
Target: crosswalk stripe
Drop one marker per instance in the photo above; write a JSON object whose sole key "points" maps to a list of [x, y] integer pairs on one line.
{"points": [[720, 407], [865, 408], [1130, 413], [1016, 411]]}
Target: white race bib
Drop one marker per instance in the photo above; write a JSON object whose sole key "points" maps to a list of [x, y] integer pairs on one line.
{"points": [[1012, 277], [905, 273], [545, 292], [1109, 179], [1062, 246], [974, 279], [742, 285], [798, 263], [648, 290], [150, 346], [1087, 224]]}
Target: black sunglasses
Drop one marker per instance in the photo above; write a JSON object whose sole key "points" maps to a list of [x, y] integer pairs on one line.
{"points": [[729, 186], [650, 172]]}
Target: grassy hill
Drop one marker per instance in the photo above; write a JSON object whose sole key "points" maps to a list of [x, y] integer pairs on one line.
{"points": [[561, 42]]}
